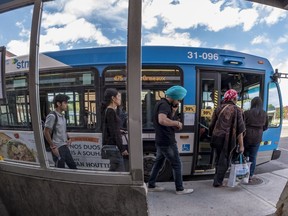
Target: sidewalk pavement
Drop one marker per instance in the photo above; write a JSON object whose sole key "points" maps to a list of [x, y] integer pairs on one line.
{"points": [[285, 122], [248, 200]]}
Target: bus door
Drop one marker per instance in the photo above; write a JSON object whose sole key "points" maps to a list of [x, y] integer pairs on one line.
{"points": [[208, 97]]}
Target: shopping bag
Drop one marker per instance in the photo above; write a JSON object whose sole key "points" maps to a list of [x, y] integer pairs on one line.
{"points": [[239, 172], [242, 170], [232, 176], [245, 179]]}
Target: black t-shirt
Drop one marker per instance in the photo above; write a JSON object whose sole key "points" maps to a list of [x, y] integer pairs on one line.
{"points": [[165, 135]]}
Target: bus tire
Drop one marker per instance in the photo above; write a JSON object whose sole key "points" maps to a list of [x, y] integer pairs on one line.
{"points": [[149, 157]]}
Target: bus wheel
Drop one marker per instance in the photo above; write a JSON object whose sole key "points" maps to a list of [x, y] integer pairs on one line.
{"points": [[165, 172]]}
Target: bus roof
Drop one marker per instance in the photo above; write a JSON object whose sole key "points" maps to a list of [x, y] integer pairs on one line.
{"points": [[150, 55]]}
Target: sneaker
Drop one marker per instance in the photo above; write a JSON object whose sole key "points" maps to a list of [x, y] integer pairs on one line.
{"points": [[184, 191], [156, 189]]}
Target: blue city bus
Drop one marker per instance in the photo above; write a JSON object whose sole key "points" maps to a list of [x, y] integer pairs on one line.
{"points": [[84, 74]]}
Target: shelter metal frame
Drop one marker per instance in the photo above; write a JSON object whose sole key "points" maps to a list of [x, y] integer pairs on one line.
{"points": [[135, 177]]}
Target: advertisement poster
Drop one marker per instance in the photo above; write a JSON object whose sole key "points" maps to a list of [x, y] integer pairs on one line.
{"points": [[18, 145], [85, 149]]}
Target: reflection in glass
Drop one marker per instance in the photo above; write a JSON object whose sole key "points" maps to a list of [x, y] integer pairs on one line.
{"points": [[16, 135], [273, 109], [60, 26]]}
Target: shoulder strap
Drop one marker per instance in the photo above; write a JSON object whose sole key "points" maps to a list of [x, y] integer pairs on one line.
{"points": [[222, 110], [104, 121], [55, 122], [104, 126]]}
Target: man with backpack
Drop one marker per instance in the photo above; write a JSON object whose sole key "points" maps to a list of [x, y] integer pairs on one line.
{"points": [[56, 135]]}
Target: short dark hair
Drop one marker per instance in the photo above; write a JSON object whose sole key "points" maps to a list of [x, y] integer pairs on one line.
{"points": [[60, 98]]}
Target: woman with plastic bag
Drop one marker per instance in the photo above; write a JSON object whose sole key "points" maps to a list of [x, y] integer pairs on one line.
{"points": [[256, 121], [226, 129]]}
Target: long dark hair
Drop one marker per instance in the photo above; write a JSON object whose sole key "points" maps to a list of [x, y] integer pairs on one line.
{"points": [[108, 94], [257, 106]]}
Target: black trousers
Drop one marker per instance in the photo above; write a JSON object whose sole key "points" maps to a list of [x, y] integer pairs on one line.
{"points": [[222, 165], [65, 157]]}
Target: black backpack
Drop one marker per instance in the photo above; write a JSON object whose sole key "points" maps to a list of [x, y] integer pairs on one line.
{"points": [[47, 145]]}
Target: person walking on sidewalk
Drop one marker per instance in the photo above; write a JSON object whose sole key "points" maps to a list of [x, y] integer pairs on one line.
{"points": [[165, 123], [256, 121], [111, 132], [226, 129], [60, 141]]}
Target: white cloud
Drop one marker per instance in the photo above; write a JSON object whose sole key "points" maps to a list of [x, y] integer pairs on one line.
{"points": [[173, 39], [56, 19], [75, 21], [24, 32], [90, 6], [73, 32], [105, 10], [191, 14], [270, 15], [225, 46], [283, 39], [18, 47], [260, 39]]}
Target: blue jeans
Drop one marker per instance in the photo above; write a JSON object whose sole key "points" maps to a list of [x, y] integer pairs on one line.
{"points": [[251, 152], [116, 162], [172, 155]]}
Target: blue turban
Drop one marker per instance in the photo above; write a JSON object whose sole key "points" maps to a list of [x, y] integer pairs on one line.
{"points": [[176, 92]]}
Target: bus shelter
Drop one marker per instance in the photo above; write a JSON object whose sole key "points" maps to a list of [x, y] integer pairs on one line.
{"points": [[30, 189]]}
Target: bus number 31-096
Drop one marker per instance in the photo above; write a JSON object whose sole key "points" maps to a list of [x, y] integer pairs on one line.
{"points": [[204, 56]]}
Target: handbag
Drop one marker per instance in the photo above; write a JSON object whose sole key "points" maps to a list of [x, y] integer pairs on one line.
{"points": [[107, 151], [125, 143]]}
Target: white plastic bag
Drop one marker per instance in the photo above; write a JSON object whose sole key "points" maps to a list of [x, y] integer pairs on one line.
{"points": [[239, 171], [232, 176], [245, 180]]}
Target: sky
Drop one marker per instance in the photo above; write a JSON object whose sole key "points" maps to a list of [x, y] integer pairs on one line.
{"points": [[227, 24]]}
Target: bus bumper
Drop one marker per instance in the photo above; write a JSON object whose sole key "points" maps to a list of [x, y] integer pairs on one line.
{"points": [[276, 154]]}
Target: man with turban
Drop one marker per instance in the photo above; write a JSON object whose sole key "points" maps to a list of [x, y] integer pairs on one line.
{"points": [[165, 123], [226, 128]]}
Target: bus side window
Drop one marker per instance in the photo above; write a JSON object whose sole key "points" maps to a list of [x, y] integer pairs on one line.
{"points": [[274, 109]]}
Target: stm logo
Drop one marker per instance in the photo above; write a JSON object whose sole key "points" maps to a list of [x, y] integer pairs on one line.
{"points": [[20, 64]]}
